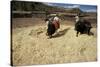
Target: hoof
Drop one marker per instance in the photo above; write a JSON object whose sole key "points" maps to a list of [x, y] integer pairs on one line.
{"points": [[49, 37]]}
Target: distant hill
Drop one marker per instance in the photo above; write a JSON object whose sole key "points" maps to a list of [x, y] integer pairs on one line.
{"points": [[37, 6], [31, 6], [26, 8]]}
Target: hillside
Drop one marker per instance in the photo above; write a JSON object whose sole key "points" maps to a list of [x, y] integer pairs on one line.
{"points": [[31, 6], [37, 6]]}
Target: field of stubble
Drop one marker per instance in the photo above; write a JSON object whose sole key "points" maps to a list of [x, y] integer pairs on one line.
{"points": [[30, 44]]}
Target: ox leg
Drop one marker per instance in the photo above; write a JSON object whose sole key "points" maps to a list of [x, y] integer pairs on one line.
{"points": [[89, 31], [77, 33]]}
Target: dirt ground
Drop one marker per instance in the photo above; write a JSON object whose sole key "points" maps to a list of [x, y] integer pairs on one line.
{"points": [[30, 45]]}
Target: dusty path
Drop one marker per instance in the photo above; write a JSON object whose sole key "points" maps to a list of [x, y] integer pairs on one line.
{"points": [[31, 46]]}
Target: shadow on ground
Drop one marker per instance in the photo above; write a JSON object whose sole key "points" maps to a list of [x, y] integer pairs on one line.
{"points": [[90, 34], [61, 33]]}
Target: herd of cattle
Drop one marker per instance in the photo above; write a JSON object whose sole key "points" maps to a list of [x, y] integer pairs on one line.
{"points": [[81, 26]]}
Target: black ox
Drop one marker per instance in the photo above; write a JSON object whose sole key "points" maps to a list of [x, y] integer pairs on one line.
{"points": [[83, 26], [51, 28]]}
